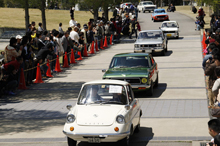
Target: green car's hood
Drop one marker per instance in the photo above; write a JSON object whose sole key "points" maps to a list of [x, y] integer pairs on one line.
{"points": [[126, 72]]}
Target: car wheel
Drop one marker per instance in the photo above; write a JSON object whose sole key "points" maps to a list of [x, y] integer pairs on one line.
{"points": [[151, 90], [156, 82], [143, 11], [137, 129], [71, 142], [177, 36], [163, 53], [166, 48]]}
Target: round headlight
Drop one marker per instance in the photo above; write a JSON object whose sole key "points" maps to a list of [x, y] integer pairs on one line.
{"points": [[120, 119], [136, 46], [70, 118], [144, 80]]}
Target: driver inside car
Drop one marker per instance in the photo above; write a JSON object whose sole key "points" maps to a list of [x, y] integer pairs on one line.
{"points": [[93, 94], [119, 97]]}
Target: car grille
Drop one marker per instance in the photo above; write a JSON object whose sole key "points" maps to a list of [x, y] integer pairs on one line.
{"points": [[129, 80], [160, 16], [169, 32], [149, 8], [151, 45]]}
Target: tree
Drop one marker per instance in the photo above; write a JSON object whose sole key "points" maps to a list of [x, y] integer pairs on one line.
{"points": [[214, 3]]}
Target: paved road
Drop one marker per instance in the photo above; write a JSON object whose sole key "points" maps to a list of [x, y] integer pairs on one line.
{"points": [[177, 111]]}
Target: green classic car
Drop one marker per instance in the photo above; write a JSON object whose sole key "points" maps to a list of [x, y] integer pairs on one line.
{"points": [[139, 69]]}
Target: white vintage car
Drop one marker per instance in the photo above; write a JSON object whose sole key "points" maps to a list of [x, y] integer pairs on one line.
{"points": [[144, 6], [170, 29], [106, 111]]}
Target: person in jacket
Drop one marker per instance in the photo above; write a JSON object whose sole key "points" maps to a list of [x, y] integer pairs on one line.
{"points": [[210, 72], [41, 56], [60, 28], [40, 43], [10, 51], [134, 24], [67, 44], [99, 33], [90, 34], [40, 28]]}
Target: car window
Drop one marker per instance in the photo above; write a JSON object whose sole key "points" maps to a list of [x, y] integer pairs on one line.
{"points": [[130, 93], [169, 24], [129, 62], [147, 3], [103, 93], [150, 35], [159, 11]]}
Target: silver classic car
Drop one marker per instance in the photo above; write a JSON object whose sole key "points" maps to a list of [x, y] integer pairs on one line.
{"points": [[151, 40]]}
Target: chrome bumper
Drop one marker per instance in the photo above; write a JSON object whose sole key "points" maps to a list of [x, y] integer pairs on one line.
{"points": [[148, 50], [172, 35], [138, 86]]}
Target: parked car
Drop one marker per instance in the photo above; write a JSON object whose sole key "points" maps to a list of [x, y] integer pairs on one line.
{"points": [[170, 29], [139, 69], [144, 6], [151, 40], [159, 15], [106, 111]]}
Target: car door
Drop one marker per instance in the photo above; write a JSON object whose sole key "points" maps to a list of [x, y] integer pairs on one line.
{"points": [[134, 106], [153, 72]]}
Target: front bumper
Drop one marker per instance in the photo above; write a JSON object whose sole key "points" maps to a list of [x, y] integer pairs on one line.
{"points": [[140, 86], [104, 137], [159, 19], [171, 35], [147, 49]]}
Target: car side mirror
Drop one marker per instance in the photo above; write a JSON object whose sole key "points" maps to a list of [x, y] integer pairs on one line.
{"points": [[104, 70], [127, 107], [69, 106]]}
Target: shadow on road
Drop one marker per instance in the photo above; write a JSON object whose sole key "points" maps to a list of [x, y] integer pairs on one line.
{"points": [[158, 54], [143, 138], [158, 91]]}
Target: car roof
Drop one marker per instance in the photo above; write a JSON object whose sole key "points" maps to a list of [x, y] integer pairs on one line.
{"points": [[117, 82], [131, 54], [149, 30]]}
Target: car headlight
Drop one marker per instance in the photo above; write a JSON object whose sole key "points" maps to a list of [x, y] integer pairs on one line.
{"points": [[159, 45], [144, 80], [120, 119], [156, 16], [70, 118], [136, 46]]}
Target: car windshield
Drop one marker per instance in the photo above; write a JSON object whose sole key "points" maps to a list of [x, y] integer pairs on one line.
{"points": [[159, 11], [130, 62], [147, 3], [169, 24], [150, 35], [103, 94]]}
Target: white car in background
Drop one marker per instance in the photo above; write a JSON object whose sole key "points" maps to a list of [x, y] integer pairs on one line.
{"points": [[146, 6], [170, 29], [106, 111]]}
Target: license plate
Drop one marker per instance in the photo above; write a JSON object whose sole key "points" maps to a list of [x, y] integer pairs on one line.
{"points": [[94, 140], [169, 35]]}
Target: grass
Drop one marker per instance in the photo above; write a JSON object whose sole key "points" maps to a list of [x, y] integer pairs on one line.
{"points": [[15, 17]]}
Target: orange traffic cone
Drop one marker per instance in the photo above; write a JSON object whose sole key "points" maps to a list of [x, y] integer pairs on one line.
{"points": [[110, 41], [72, 59], [105, 43], [85, 54], [92, 48], [57, 66], [22, 84], [80, 56], [48, 70], [38, 75], [96, 46], [101, 44], [65, 63]]}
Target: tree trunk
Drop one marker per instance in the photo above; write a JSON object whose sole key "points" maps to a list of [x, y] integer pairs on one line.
{"points": [[106, 12], [95, 14], [43, 15], [27, 21]]}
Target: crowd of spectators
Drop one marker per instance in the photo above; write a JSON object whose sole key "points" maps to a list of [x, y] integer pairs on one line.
{"points": [[39, 45]]}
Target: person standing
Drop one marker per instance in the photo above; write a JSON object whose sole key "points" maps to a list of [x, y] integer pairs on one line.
{"points": [[71, 12], [74, 34], [134, 24], [72, 23], [40, 29], [67, 44], [60, 28]]}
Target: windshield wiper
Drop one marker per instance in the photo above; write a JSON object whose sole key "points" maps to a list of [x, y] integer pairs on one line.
{"points": [[118, 102], [138, 66]]}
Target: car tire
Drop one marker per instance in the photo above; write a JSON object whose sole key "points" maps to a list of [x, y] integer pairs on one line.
{"points": [[137, 129], [177, 36], [163, 53], [151, 90], [143, 11], [71, 142], [166, 48], [156, 82]]}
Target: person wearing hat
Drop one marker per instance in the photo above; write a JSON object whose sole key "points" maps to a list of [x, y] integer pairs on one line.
{"points": [[134, 24]]}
